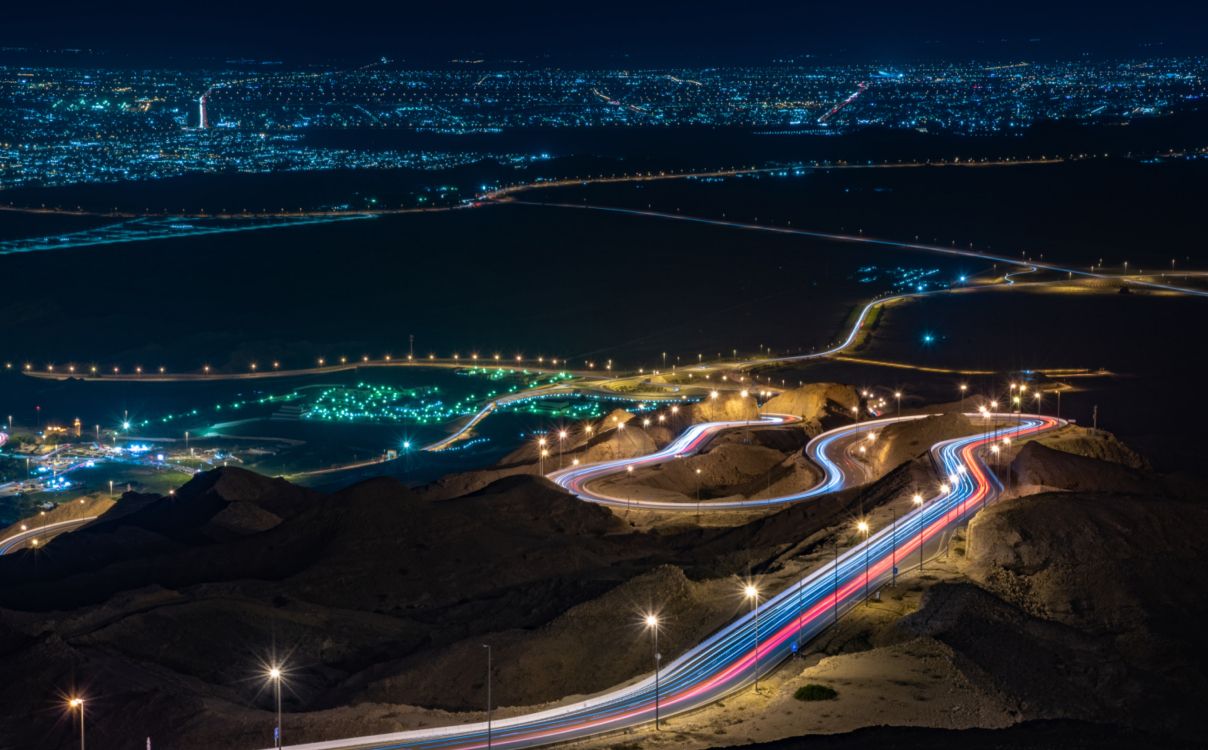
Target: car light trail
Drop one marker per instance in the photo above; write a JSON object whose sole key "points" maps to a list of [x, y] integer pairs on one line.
{"points": [[819, 449], [42, 533], [727, 661]]}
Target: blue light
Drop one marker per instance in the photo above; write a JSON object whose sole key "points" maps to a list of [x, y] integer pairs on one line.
{"points": [[928, 338]]}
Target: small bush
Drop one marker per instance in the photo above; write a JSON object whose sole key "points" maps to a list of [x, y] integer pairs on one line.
{"points": [[814, 692]]}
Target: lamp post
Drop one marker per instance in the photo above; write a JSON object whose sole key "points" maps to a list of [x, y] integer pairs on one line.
{"points": [[862, 527], [964, 388], [274, 674], [628, 487], [835, 582], [893, 546], [78, 704], [652, 624], [698, 495], [487, 646], [561, 443], [541, 455], [898, 395], [751, 591], [918, 503]]}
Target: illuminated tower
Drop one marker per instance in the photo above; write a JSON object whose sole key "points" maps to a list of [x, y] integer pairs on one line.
{"points": [[203, 121]]}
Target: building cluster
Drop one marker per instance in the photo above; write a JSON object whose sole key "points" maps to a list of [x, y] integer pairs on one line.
{"points": [[69, 125]]}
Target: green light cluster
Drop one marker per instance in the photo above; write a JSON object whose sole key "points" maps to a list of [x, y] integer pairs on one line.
{"points": [[233, 405], [386, 403]]}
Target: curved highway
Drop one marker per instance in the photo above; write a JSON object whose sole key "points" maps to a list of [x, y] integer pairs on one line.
{"points": [[751, 645], [827, 450], [43, 533]]}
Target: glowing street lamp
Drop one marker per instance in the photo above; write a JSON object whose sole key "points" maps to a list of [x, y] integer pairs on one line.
{"points": [[898, 396], [751, 592], [275, 674], [652, 624], [964, 388], [628, 488], [917, 500], [561, 442], [77, 704]]}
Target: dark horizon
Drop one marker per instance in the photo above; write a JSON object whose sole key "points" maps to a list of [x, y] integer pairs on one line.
{"points": [[679, 33]]}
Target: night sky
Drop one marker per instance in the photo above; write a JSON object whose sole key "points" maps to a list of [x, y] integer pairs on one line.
{"points": [[613, 33]]}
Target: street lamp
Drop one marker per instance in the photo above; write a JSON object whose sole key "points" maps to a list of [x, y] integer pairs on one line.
{"points": [[898, 396], [698, 495], [918, 503], [561, 442], [862, 527], [487, 646], [652, 624], [964, 388], [751, 592], [274, 674], [78, 704]]}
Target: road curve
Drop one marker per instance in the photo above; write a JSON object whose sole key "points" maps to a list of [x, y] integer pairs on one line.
{"points": [[821, 450], [43, 533], [878, 242], [751, 645]]}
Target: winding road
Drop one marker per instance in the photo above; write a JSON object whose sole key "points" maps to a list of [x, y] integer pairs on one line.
{"points": [[42, 533], [756, 642], [828, 450]]}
